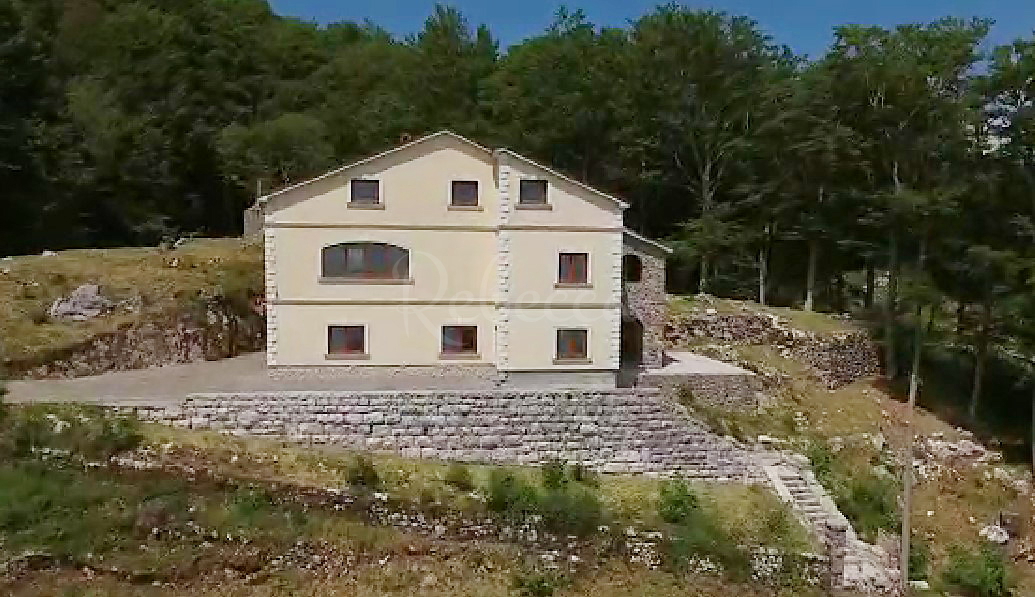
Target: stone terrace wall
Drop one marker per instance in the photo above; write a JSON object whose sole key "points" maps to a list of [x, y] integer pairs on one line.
{"points": [[607, 430], [728, 392], [837, 358]]}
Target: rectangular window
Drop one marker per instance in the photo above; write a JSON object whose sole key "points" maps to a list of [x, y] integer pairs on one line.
{"points": [[346, 339], [365, 192], [464, 193], [573, 268], [459, 339], [532, 192], [572, 344]]}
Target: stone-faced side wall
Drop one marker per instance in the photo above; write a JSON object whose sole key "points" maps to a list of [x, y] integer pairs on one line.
{"points": [[646, 301], [608, 430]]}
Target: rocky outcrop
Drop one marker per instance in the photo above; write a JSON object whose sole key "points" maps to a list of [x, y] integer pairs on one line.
{"points": [[215, 330]]}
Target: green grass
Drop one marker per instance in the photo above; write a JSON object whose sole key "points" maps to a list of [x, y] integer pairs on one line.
{"points": [[154, 282]]}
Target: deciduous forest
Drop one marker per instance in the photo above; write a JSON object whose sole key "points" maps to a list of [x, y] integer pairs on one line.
{"points": [[894, 175]]}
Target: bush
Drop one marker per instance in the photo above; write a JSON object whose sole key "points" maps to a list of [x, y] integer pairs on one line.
{"points": [[571, 512], [362, 473], [459, 476], [919, 559], [554, 475], [510, 494], [677, 502], [86, 432], [870, 504], [536, 584], [981, 574], [580, 473]]}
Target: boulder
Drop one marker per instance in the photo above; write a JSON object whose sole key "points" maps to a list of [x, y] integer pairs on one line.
{"points": [[85, 302]]}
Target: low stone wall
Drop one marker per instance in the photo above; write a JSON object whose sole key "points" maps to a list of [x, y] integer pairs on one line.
{"points": [[607, 430], [728, 392]]}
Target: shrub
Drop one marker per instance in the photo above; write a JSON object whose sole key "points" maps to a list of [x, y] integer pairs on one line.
{"points": [[822, 460], [575, 511], [701, 536], [554, 475], [981, 574], [677, 502], [870, 504], [83, 431], [919, 559], [459, 476], [362, 473], [580, 473], [510, 494], [537, 584]]}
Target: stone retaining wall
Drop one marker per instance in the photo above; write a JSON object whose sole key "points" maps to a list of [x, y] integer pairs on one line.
{"points": [[607, 430], [728, 392]]}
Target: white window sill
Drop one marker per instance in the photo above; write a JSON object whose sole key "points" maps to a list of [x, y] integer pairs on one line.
{"points": [[368, 281], [459, 356], [569, 285], [534, 206], [348, 356], [354, 205], [465, 208], [582, 361]]}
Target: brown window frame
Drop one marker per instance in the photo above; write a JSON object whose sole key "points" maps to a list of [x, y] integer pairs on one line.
{"points": [[349, 346], [570, 266], [464, 184], [527, 183], [365, 261], [360, 183], [465, 344], [568, 346]]}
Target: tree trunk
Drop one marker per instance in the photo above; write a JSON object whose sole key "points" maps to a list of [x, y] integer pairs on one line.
{"points": [[922, 313], [839, 292], [890, 360], [763, 270], [810, 276], [980, 358], [961, 312], [702, 285], [1033, 428], [871, 280]]}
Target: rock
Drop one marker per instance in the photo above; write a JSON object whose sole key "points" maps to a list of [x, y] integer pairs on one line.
{"points": [[85, 302], [48, 254], [920, 585], [994, 533]]}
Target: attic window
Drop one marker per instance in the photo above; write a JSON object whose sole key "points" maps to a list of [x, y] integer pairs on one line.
{"points": [[532, 192], [365, 192], [464, 193]]}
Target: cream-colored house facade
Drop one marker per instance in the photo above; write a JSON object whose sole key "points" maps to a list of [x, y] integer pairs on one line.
{"points": [[443, 254]]}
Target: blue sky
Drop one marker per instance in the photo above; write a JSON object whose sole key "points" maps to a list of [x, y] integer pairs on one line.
{"points": [[805, 25]]}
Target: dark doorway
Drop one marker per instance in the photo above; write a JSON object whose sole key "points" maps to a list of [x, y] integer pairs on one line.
{"points": [[632, 343]]}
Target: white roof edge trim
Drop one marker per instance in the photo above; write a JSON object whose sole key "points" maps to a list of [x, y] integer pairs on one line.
{"points": [[265, 198], [552, 172], [648, 241]]}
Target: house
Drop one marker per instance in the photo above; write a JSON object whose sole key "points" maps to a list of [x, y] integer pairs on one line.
{"points": [[445, 256]]}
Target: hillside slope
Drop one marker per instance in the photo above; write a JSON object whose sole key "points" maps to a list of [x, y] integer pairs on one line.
{"points": [[855, 435], [159, 305]]}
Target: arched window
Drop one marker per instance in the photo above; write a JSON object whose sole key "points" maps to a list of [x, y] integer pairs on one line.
{"points": [[380, 261], [632, 268]]}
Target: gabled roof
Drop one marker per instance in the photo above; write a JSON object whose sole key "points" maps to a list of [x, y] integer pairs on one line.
{"points": [[443, 134], [552, 172], [650, 243], [340, 169]]}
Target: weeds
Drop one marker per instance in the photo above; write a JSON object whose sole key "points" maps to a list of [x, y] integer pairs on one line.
{"points": [[980, 574], [677, 502], [362, 473], [459, 477], [566, 506], [91, 433]]}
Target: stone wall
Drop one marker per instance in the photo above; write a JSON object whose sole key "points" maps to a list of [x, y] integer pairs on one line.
{"points": [[607, 430], [645, 300], [837, 358], [728, 392]]}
